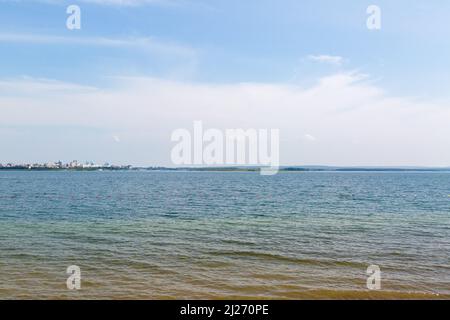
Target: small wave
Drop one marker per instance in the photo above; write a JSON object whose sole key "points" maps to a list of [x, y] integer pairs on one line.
{"points": [[288, 259]]}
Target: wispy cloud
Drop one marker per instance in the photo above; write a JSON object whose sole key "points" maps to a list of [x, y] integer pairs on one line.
{"points": [[130, 2], [34, 86], [323, 58], [144, 43], [127, 3]]}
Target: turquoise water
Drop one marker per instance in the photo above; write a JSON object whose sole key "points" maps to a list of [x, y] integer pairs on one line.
{"points": [[154, 235]]}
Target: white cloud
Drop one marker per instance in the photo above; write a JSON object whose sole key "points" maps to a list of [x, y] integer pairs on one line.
{"points": [[310, 137], [354, 122], [334, 60]]}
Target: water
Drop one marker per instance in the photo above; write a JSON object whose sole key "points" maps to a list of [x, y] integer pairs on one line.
{"points": [[208, 235]]}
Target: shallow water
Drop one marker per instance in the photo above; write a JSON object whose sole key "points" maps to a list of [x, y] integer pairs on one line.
{"points": [[198, 235]]}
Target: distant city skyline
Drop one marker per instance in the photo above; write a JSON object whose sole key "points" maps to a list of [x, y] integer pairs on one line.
{"points": [[115, 90], [74, 164]]}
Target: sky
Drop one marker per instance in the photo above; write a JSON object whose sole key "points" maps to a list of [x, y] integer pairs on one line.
{"points": [[137, 70]]}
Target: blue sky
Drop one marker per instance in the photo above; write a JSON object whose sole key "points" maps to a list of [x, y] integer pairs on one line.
{"points": [[234, 40], [222, 43]]}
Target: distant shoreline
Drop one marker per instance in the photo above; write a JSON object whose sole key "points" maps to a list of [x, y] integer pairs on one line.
{"points": [[236, 169]]}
